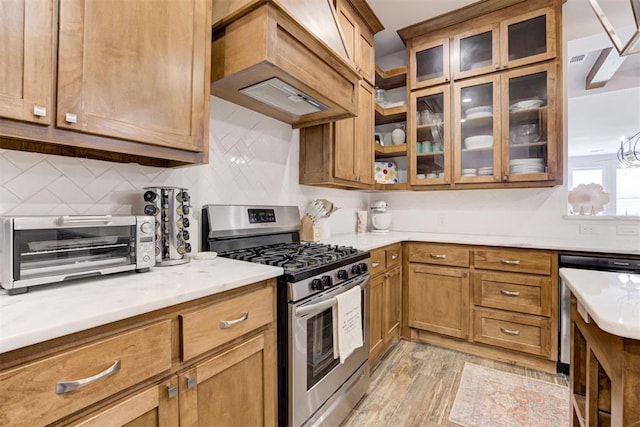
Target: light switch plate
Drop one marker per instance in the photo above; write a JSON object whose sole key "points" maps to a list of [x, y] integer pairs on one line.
{"points": [[627, 230]]}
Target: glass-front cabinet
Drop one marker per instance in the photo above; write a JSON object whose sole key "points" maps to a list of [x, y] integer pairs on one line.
{"points": [[476, 141], [504, 127], [476, 52], [516, 41], [429, 142], [528, 125], [429, 63], [528, 38]]}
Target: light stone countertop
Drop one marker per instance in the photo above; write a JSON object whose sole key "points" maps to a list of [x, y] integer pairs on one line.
{"points": [[612, 300], [369, 241], [53, 311]]}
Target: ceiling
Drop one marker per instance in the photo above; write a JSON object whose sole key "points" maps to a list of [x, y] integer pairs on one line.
{"points": [[596, 117]]}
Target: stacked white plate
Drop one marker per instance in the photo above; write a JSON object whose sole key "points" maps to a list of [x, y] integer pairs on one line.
{"points": [[478, 141], [481, 111], [485, 171], [522, 166], [470, 172], [525, 104]]}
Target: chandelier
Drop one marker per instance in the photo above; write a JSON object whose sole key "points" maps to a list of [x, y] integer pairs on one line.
{"points": [[629, 151]]}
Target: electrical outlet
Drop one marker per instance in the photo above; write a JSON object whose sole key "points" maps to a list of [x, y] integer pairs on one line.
{"points": [[589, 229], [627, 230]]}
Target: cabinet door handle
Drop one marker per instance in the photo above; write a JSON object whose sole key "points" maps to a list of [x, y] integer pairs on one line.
{"points": [[63, 387], [172, 391], [224, 324], [438, 256], [39, 111], [191, 382], [71, 118], [509, 293], [394, 257], [375, 264], [510, 261], [509, 331]]}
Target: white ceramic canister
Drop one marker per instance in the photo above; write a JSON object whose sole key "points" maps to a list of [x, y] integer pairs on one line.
{"points": [[398, 136]]}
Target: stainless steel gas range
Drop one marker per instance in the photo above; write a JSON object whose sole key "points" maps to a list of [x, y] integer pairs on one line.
{"points": [[314, 388]]}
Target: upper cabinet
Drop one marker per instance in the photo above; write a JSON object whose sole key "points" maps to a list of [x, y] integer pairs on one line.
{"points": [[133, 70], [497, 73], [132, 80], [26, 55], [358, 40]]}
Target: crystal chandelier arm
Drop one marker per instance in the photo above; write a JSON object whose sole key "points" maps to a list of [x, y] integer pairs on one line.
{"points": [[632, 45]]}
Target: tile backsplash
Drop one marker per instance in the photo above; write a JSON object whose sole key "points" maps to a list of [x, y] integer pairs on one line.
{"points": [[253, 160]]}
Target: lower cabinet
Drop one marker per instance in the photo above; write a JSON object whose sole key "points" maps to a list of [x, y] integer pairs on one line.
{"points": [[135, 373], [496, 302], [385, 304], [234, 388], [439, 300]]}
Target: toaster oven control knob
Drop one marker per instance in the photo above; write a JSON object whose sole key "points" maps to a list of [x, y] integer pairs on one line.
{"points": [[146, 228], [327, 281], [316, 284], [356, 269], [363, 268], [146, 258], [343, 275]]}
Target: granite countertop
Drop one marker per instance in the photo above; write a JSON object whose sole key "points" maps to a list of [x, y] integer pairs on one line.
{"points": [[53, 311], [612, 300]]}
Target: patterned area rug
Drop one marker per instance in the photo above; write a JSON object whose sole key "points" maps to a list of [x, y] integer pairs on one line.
{"points": [[488, 397]]}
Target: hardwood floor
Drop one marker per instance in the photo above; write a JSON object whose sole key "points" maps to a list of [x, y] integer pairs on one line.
{"points": [[415, 385]]}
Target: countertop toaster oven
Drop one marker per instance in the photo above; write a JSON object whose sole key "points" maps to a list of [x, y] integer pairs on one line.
{"points": [[38, 250]]}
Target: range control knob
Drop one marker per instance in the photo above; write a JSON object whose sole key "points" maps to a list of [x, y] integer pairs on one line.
{"points": [[146, 227], [316, 284], [356, 269], [363, 267], [327, 281], [343, 275]]}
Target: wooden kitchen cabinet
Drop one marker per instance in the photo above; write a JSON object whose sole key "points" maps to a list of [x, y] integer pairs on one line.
{"points": [[358, 38], [501, 63], [235, 388], [340, 154], [386, 300], [604, 375], [132, 81], [26, 60], [227, 378]]}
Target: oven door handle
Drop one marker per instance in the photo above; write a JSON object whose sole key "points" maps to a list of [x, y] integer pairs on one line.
{"points": [[321, 306], [84, 219]]}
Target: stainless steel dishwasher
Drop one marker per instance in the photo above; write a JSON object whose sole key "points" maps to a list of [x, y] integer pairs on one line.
{"points": [[584, 262]]}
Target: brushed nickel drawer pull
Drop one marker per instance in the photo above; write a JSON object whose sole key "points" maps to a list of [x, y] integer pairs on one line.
{"points": [[63, 387], [509, 331], [191, 382], [224, 324], [510, 261], [509, 293], [172, 390], [394, 257], [375, 264], [438, 256]]}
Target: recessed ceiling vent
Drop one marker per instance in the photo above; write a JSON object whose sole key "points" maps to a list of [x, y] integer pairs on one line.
{"points": [[576, 59]]}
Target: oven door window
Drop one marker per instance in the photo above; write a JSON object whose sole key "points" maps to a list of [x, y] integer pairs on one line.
{"points": [[320, 359], [64, 251]]}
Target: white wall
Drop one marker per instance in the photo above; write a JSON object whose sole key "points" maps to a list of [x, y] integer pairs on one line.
{"points": [[253, 160]]}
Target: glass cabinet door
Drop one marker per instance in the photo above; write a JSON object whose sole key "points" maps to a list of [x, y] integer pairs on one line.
{"points": [[429, 63], [477, 130], [429, 145], [529, 124], [528, 38], [476, 52]]}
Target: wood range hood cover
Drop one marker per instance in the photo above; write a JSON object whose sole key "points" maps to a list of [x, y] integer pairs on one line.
{"points": [[286, 59]]}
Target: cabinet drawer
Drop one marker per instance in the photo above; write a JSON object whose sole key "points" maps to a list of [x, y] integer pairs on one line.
{"points": [[378, 261], [393, 256], [519, 332], [508, 291], [35, 393], [205, 329], [439, 254], [521, 261]]}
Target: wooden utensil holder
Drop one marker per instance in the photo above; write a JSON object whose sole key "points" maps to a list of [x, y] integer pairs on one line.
{"points": [[309, 232]]}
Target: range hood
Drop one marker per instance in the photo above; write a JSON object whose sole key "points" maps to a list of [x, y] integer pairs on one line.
{"points": [[285, 58]]}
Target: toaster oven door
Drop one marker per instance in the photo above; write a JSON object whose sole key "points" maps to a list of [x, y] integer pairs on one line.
{"points": [[48, 255]]}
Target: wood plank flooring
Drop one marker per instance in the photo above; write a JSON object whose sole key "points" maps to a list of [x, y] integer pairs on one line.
{"points": [[415, 385]]}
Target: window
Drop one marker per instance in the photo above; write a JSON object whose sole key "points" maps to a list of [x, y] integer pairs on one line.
{"points": [[628, 191], [585, 176]]}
